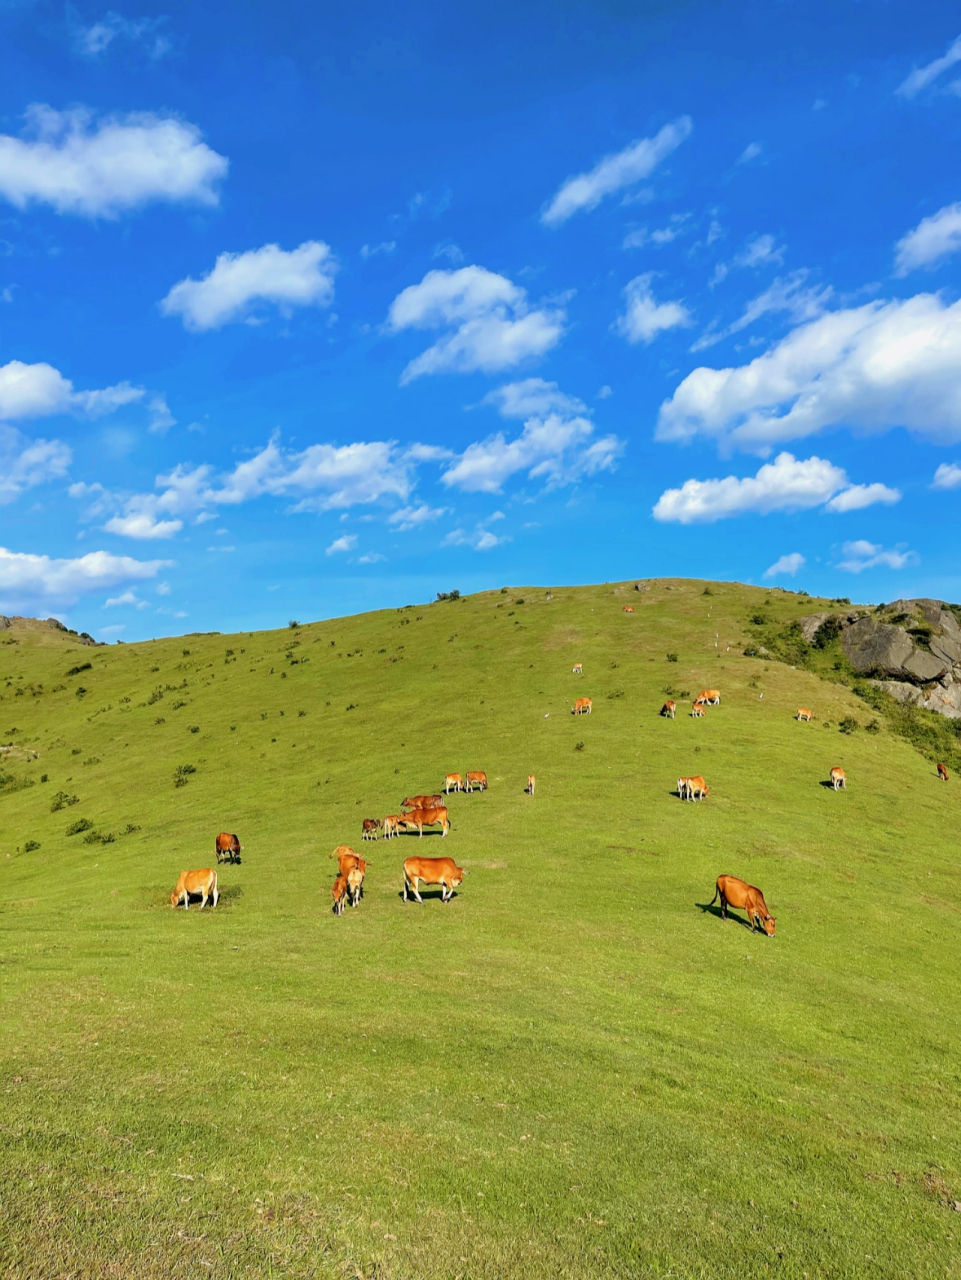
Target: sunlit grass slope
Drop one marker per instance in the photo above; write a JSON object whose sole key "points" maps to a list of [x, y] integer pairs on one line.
{"points": [[574, 1068]]}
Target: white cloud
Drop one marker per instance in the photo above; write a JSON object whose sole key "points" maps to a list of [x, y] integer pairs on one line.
{"points": [[759, 252], [304, 277], [371, 250], [787, 566], [861, 555], [552, 448], [859, 496], [372, 557], [786, 484], [931, 240], [96, 39], [921, 77], [452, 252], [615, 172], [346, 543], [26, 463], [414, 517], [605, 393], [128, 597], [947, 476], [530, 397], [480, 539], [39, 390], [784, 295], [163, 588], [645, 317], [30, 581], [750, 152], [105, 168], [143, 525], [492, 326], [870, 368], [677, 225]]}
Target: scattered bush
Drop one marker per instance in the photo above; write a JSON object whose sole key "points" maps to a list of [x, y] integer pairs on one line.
{"points": [[186, 653], [108, 838], [76, 751], [617, 693], [130, 828], [31, 845], [751, 652], [872, 726], [195, 728], [80, 691], [293, 624], [827, 632], [848, 725], [578, 746], [14, 782], [93, 837], [759, 619], [300, 714], [352, 707], [182, 772], [82, 824], [160, 720], [175, 706], [44, 777], [448, 595], [672, 657], [707, 592], [157, 694], [75, 671], [841, 600]]}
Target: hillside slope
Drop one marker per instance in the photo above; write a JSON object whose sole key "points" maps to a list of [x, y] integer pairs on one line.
{"points": [[575, 1067]]}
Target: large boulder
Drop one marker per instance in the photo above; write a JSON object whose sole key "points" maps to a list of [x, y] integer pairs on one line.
{"points": [[871, 645], [944, 698]]}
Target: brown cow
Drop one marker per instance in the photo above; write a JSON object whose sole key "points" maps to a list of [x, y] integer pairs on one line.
{"points": [[669, 709], [227, 848], [422, 802], [582, 706], [391, 827], [421, 818], [697, 711], [804, 714], [370, 826], [530, 784], [710, 697], [476, 782], [355, 886], [693, 788], [339, 895], [442, 871], [202, 882], [737, 893], [347, 859], [942, 773], [453, 782], [628, 608], [577, 669], [838, 779]]}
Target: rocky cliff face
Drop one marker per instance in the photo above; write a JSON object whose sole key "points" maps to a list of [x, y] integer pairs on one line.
{"points": [[912, 648]]}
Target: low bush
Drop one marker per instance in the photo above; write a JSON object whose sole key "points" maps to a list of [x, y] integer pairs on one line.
{"points": [[848, 725], [672, 657], [82, 824], [31, 845], [182, 773], [62, 801]]}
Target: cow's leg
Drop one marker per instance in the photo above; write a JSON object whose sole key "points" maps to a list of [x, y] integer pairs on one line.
{"points": [[415, 888], [215, 896], [405, 888], [723, 907]]}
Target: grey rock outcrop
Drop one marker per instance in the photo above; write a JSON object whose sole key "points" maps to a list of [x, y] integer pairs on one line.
{"points": [[871, 645]]}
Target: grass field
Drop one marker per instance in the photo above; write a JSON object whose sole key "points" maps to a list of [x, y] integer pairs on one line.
{"points": [[575, 1068]]}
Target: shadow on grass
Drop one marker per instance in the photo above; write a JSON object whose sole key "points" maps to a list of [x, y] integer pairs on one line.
{"points": [[429, 895], [828, 785], [707, 908]]}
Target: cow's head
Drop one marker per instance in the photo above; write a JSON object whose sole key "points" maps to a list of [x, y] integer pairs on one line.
{"points": [[457, 878], [174, 897], [769, 923]]}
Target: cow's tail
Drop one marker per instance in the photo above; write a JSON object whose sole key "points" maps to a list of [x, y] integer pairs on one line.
{"points": [[717, 890]]}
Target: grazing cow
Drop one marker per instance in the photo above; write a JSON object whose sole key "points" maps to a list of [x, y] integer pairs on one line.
{"points": [[577, 669], [442, 871], [370, 828], [421, 818], [628, 608], [682, 787], [669, 709], [453, 782], [228, 848], [804, 714], [347, 859], [697, 711], [202, 882], [476, 782], [339, 894], [942, 773], [693, 788], [737, 893], [530, 784], [422, 802], [838, 779], [391, 826], [355, 886], [709, 697], [582, 706]]}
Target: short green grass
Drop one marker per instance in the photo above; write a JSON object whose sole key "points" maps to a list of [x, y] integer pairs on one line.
{"points": [[575, 1068]]}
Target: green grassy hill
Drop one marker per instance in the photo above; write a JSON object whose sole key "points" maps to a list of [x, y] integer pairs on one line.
{"points": [[574, 1068]]}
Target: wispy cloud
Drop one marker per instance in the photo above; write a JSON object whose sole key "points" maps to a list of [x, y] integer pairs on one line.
{"points": [[861, 555], [921, 77], [94, 40], [346, 543], [750, 152], [932, 240], [786, 566], [947, 476], [786, 295]]}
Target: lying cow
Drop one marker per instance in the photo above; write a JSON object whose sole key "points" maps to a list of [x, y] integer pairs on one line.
{"points": [[453, 782], [582, 706], [628, 608], [669, 709], [838, 779], [442, 871], [339, 895], [804, 714], [202, 883], [370, 826], [942, 773], [737, 893], [421, 818], [476, 782], [227, 848], [422, 802]]}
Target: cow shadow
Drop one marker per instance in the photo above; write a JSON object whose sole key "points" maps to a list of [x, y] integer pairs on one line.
{"points": [[429, 895], [714, 909], [827, 784]]}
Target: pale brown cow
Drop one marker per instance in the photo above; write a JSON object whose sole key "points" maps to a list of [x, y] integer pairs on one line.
{"points": [[942, 773], [628, 608], [355, 886], [453, 782], [669, 709], [709, 697], [804, 714], [391, 826], [202, 882], [442, 871], [697, 711], [530, 784], [738, 893], [339, 895], [693, 788], [582, 706], [228, 848], [577, 669], [370, 826], [421, 818], [347, 860], [476, 782], [422, 802], [838, 779]]}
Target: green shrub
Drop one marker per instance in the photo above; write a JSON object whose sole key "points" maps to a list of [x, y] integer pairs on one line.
{"points": [[759, 619], [62, 801], [578, 746], [92, 837], [182, 772], [157, 694], [827, 632], [672, 657], [31, 845], [848, 725], [82, 824], [75, 671]]}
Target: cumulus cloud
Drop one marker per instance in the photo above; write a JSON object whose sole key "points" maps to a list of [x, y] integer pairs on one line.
{"points": [[346, 543], [921, 77], [490, 324], [128, 597], [786, 294], [104, 168], [407, 518], [26, 463], [947, 476], [559, 450], [786, 566], [31, 581], [644, 317], [932, 240], [39, 391], [871, 368], [94, 40], [143, 524], [480, 539], [585, 191], [861, 555], [530, 397], [786, 484], [304, 277]]}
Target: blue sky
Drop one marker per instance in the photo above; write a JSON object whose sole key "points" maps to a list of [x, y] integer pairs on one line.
{"points": [[313, 309]]}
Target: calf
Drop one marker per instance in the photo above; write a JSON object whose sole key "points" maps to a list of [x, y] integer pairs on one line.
{"points": [[804, 714], [453, 782], [697, 711], [421, 818], [838, 779], [370, 826], [577, 669], [669, 709], [582, 706], [476, 782], [737, 893], [227, 848], [682, 787], [530, 784], [628, 608], [355, 886], [202, 882], [339, 895], [693, 788], [422, 802], [392, 826], [442, 871], [942, 773]]}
